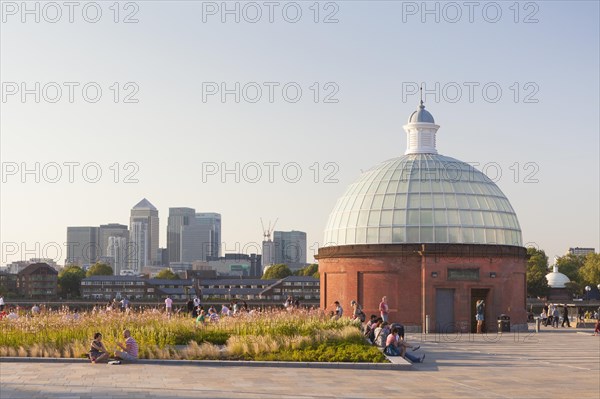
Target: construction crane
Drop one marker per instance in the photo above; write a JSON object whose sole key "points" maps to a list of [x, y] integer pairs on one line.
{"points": [[267, 232]]}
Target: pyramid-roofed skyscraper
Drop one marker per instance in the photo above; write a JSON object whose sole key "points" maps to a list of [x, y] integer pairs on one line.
{"points": [[146, 213]]}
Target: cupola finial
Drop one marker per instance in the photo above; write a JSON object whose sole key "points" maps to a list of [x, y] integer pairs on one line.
{"points": [[421, 130]]}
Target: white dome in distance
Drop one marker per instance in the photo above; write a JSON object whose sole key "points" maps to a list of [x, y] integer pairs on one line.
{"points": [[556, 279]]}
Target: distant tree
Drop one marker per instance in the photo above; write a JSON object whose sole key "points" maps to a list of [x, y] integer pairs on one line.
{"points": [[99, 269], [69, 281], [537, 268], [570, 265], [308, 270], [277, 272], [590, 271], [166, 274], [311, 269], [574, 288]]}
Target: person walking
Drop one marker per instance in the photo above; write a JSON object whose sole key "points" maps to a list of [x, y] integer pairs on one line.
{"points": [[566, 317], [555, 317], [124, 304], [551, 315], [384, 308], [480, 315]]}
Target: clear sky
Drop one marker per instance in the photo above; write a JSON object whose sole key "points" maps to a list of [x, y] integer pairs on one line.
{"points": [[514, 87]]}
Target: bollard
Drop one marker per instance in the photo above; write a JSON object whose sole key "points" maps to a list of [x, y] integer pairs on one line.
{"points": [[538, 322], [427, 324]]}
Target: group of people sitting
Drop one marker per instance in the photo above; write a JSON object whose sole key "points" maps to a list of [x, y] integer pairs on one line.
{"points": [[380, 332], [391, 338], [99, 354]]}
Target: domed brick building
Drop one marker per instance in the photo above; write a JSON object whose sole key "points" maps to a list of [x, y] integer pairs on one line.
{"points": [[431, 233]]}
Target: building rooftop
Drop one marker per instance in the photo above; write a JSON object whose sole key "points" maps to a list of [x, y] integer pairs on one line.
{"points": [[423, 197], [158, 281], [421, 115], [35, 267], [235, 281], [144, 204]]}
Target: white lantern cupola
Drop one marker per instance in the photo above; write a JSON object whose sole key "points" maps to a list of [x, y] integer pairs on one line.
{"points": [[421, 130], [557, 279]]}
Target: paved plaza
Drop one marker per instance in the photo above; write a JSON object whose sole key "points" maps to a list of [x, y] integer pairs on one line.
{"points": [[555, 363]]}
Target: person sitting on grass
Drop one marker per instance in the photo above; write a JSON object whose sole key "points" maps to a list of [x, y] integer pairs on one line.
{"points": [[13, 314], [201, 319], [98, 352], [213, 316], [130, 348]]}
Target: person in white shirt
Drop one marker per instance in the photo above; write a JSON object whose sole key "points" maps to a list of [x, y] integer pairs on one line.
{"points": [[169, 305], [1, 303]]}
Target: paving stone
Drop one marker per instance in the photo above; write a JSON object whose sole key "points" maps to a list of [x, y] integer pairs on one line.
{"points": [[507, 366]]}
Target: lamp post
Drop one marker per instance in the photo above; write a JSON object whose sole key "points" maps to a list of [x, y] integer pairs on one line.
{"points": [[587, 292]]}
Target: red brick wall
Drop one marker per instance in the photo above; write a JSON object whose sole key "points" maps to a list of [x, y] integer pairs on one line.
{"points": [[367, 272]]}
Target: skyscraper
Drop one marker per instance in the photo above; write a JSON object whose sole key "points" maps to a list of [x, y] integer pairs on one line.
{"points": [[211, 223], [193, 242], [117, 250], [110, 230], [178, 217], [138, 246], [201, 238], [268, 252], [290, 248], [82, 245], [145, 212]]}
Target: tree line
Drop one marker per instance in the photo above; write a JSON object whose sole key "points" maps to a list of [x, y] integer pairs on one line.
{"points": [[582, 270]]}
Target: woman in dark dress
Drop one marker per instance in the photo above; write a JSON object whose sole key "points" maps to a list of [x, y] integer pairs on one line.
{"points": [[98, 352]]}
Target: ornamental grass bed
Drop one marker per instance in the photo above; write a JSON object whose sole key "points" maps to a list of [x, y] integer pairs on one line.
{"points": [[275, 336]]}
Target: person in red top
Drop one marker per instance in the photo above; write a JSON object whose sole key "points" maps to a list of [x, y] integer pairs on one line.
{"points": [[597, 328], [384, 308]]}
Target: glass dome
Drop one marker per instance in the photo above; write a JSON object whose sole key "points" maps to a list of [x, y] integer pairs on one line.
{"points": [[423, 198]]}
